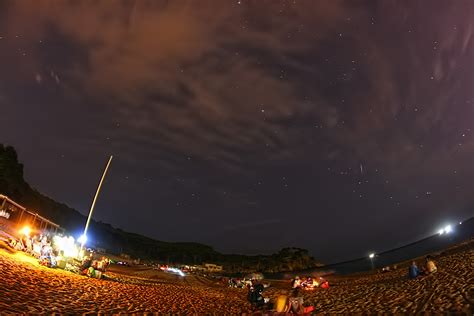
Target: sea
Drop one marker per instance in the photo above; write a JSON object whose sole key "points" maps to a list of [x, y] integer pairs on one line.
{"points": [[430, 245]]}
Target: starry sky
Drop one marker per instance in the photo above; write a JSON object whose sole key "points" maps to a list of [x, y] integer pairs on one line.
{"points": [[342, 127]]}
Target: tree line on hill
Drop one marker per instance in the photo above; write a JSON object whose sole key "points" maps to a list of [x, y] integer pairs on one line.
{"points": [[117, 241]]}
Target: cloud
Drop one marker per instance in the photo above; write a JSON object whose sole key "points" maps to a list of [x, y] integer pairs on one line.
{"points": [[229, 93], [195, 77], [234, 80]]}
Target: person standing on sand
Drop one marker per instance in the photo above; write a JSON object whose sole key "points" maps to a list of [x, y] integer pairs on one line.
{"points": [[413, 271]]}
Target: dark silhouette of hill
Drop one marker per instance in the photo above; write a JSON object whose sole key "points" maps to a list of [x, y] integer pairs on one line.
{"points": [[117, 241]]}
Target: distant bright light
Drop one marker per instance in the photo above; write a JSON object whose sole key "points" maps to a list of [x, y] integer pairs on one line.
{"points": [[372, 255], [178, 271], [460, 223], [82, 239], [26, 230], [448, 229], [67, 245]]}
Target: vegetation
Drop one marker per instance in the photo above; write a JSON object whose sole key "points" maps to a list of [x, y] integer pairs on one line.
{"points": [[118, 241]]}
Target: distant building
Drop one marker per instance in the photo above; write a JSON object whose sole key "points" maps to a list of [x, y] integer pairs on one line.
{"points": [[197, 268], [213, 268]]}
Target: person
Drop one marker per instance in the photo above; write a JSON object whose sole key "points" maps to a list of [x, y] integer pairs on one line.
{"points": [[413, 271], [255, 296], [323, 283], [238, 283], [303, 282], [101, 264], [37, 248], [29, 245], [430, 265], [86, 264], [93, 273], [17, 244], [281, 304], [295, 304], [296, 282], [45, 257]]}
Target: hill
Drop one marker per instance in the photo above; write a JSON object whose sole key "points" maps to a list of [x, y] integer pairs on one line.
{"points": [[117, 241]]}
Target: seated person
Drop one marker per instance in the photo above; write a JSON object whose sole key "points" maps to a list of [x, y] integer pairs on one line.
{"points": [[255, 296], [295, 304], [46, 255], [413, 271], [296, 282], [91, 272], [29, 245], [86, 263], [281, 304], [325, 284], [12, 242], [37, 249], [430, 265]]}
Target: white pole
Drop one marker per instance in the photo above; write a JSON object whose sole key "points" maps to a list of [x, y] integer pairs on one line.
{"points": [[93, 203]]}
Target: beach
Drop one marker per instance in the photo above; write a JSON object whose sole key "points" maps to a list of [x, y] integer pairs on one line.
{"points": [[451, 289], [27, 287]]}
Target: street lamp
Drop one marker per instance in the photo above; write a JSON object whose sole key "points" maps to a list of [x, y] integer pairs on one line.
{"points": [[371, 257], [26, 231], [448, 229], [82, 239]]}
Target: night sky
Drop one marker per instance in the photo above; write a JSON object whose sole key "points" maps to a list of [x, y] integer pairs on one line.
{"points": [[342, 127]]}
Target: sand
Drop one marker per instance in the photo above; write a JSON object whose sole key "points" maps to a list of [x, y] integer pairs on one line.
{"points": [[26, 287], [451, 289]]}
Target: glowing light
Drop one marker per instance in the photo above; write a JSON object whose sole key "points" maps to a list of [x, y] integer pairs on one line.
{"points": [[372, 255], [26, 230], [448, 229], [67, 245], [175, 270], [441, 231], [82, 239]]}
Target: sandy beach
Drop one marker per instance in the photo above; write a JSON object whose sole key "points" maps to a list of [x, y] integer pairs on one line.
{"points": [[451, 289], [26, 287]]}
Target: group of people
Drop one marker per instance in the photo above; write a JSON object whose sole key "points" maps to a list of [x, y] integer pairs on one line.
{"points": [[309, 283], [39, 246], [293, 303], [94, 268], [240, 283], [49, 253], [430, 267]]}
